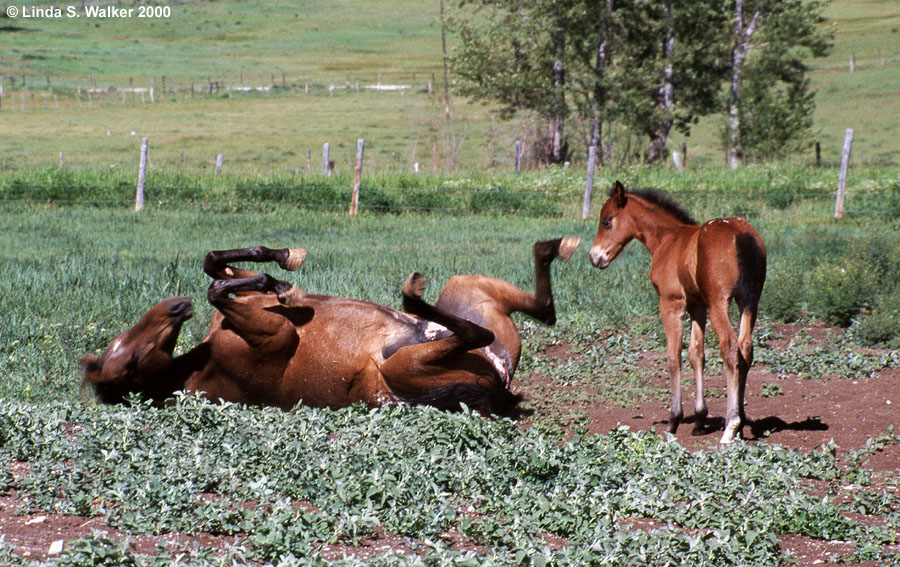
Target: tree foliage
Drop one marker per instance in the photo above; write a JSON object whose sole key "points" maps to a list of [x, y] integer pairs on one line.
{"points": [[645, 65], [774, 107]]}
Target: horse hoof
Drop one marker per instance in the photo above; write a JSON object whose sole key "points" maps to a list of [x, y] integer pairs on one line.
{"points": [[414, 285], [294, 259], [293, 296], [567, 247]]}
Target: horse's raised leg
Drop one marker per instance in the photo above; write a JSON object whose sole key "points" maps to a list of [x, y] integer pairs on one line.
{"points": [[462, 294], [697, 356], [541, 304], [256, 326], [467, 333], [728, 347], [672, 313], [216, 263], [442, 372]]}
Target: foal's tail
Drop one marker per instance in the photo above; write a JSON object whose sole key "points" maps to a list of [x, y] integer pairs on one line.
{"points": [[479, 398], [751, 257]]}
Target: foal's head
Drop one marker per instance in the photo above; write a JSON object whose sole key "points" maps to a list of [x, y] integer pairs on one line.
{"points": [[615, 229], [618, 224], [139, 354]]}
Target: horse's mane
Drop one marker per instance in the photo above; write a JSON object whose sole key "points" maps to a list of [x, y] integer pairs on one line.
{"points": [[664, 202]]}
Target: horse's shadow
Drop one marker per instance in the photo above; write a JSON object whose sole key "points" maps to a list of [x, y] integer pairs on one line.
{"points": [[759, 428]]}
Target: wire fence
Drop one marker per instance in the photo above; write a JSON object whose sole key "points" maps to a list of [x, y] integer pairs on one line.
{"points": [[529, 194]]}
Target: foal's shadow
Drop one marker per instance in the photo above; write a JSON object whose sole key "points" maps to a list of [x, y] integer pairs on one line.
{"points": [[759, 428], [762, 428]]}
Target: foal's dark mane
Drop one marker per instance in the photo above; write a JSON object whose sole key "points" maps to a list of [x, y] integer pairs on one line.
{"points": [[665, 203]]}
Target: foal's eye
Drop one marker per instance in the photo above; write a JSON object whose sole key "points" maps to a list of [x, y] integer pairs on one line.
{"points": [[606, 223]]}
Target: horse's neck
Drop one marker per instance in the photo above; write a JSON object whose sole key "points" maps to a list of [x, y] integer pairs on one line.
{"points": [[652, 229], [175, 377]]}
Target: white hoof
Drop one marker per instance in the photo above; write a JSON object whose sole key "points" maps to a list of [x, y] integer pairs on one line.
{"points": [[731, 432], [567, 247], [294, 259]]}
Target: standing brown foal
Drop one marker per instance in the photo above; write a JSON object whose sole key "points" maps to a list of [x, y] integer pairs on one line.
{"points": [[698, 269]]}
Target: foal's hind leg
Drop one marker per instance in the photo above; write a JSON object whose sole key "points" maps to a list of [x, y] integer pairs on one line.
{"points": [[728, 348], [698, 361], [745, 352], [215, 264]]}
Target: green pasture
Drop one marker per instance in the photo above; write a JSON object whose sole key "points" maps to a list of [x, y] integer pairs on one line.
{"points": [[301, 52], [74, 273], [78, 265]]}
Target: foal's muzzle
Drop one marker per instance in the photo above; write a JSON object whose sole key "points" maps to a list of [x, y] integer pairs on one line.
{"points": [[598, 258]]}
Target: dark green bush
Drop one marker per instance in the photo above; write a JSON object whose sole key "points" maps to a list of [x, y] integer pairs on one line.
{"points": [[837, 292], [882, 327], [780, 300]]}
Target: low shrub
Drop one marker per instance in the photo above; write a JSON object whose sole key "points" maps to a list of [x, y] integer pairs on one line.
{"points": [[838, 291]]}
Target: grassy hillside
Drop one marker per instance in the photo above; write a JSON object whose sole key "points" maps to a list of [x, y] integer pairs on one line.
{"points": [[302, 51]]}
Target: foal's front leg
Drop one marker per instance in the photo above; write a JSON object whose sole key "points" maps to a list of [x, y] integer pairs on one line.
{"points": [[672, 313]]}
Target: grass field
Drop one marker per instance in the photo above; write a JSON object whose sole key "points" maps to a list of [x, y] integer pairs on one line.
{"points": [[338, 44], [301, 488]]}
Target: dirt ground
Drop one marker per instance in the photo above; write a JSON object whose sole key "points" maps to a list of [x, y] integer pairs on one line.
{"points": [[806, 415]]}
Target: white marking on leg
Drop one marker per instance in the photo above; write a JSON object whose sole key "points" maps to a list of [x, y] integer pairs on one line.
{"points": [[731, 429], [432, 330], [499, 364]]}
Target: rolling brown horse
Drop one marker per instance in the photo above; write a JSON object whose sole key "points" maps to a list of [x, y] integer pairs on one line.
{"points": [[698, 269], [272, 344]]}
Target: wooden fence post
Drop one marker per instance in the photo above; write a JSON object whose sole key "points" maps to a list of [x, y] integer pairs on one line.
{"points": [[142, 173], [62, 163], [842, 176], [354, 202], [219, 159], [518, 156], [308, 160], [589, 183], [676, 159], [325, 169]]}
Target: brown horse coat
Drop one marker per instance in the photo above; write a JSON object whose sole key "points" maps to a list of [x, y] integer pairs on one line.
{"points": [[698, 269], [271, 344]]}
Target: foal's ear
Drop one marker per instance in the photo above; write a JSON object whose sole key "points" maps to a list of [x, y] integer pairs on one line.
{"points": [[618, 194]]}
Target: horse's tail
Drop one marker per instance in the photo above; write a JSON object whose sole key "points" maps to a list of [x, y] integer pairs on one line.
{"points": [[479, 398], [751, 256]]}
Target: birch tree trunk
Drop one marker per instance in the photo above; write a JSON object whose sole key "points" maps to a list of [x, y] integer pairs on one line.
{"points": [[742, 36], [556, 125], [666, 94], [599, 100]]}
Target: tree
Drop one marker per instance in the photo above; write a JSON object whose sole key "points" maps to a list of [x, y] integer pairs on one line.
{"points": [[515, 52], [648, 65], [672, 61], [770, 104]]}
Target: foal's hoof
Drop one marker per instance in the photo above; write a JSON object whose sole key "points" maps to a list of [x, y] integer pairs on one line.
{"points": [[294, 259], [414, 285], [567, 247], [292, 296]]}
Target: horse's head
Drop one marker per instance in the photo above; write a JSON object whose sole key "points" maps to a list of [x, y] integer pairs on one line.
{"points": [[614, 230], [139, 354]]}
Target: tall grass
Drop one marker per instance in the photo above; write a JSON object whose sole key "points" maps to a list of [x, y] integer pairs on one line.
{"points": [[72, 276]]}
